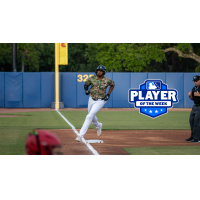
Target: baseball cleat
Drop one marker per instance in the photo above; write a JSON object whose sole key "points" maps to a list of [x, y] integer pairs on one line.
{"points": [[99, 129], [195, 140], [79, 138], [189, 139]]}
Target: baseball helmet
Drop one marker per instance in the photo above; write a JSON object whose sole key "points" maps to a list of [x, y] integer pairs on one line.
{"points": [[41, 142], [196, 78], [101, 68]]}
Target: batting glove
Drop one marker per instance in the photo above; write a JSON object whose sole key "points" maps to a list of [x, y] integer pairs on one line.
{"points": [[106, 97], [87, 92]]}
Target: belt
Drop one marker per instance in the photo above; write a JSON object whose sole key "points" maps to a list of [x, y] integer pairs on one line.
{"points": [[98, 99]]}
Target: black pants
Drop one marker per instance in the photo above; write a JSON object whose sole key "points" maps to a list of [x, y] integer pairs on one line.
{"points": [[195, 122]]}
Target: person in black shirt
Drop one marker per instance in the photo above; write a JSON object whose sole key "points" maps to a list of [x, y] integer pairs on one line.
{"points": [[195, 113]]}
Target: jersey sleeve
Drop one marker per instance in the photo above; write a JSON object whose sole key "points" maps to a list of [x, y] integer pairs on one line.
{"points": [[111, 82], [88, 82]]}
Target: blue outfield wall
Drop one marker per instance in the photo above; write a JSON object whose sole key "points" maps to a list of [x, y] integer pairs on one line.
{"points": [[31, 90], [27, 90], [120, 96], [2, 89], [13, 90], [68, 84], [47, 88], [35, 90]]}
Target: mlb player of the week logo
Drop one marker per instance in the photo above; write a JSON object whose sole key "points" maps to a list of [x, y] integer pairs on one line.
{"points": [[153, 98]]}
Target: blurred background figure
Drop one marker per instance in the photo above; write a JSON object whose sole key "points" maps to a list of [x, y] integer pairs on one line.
{"points": [[42, 142], [194, 95]]}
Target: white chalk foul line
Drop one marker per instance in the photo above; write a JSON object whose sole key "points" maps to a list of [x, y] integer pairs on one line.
{"points": [[75, 131]]}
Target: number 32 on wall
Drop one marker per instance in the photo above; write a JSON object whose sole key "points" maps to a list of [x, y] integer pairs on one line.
{"points": [[83, 78]]}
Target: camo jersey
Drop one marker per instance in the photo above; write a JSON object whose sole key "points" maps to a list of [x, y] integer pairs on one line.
{"points": [[98, 87]]}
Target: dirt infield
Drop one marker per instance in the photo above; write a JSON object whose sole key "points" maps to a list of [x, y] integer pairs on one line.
{"points": [[116, 140]]}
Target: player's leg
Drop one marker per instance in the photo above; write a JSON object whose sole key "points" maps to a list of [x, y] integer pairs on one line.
{"points": [[196, 125], [98, 125], [192, 115], [95, 122], [97, 105], [90, 103]]}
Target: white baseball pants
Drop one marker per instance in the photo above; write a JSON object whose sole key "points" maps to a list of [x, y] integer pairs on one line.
{"points": [[93, 108]]}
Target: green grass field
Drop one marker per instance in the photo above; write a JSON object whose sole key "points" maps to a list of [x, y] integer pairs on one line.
{"points": [[127, 120], [13, 130]]}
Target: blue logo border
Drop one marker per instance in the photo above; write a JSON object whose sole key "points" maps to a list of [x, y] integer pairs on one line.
{"points": [[164, 87]]}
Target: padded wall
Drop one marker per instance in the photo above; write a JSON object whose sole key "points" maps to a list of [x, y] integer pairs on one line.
{"points": [[161, 76], [120, 93], [68, 86], [31, 90], [13, 89], [34, 90], [47, 89], [2, 89]]}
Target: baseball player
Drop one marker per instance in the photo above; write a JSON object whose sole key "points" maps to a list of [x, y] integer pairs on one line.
{"points": [[97, 99], [41, 142], [195, 113]]}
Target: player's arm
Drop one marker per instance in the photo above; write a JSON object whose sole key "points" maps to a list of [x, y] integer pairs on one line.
{"points": [[86, 86], [190, 95], [109, 92], [111, 89]]}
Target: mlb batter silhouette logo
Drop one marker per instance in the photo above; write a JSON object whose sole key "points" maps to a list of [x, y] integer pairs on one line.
{"points": [[153, 98]]}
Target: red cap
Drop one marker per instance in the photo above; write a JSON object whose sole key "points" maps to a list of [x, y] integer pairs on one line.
{"points": [[41, 142]]}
